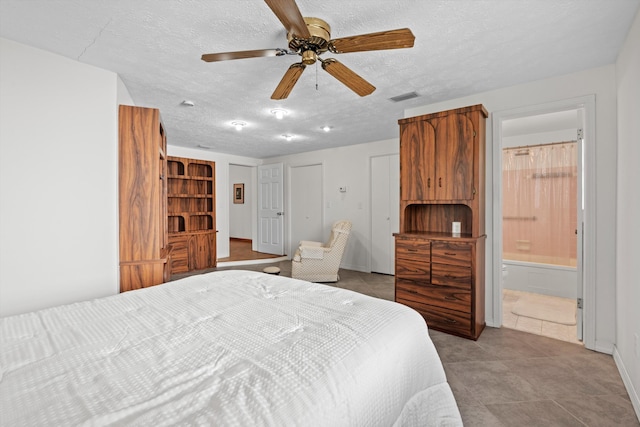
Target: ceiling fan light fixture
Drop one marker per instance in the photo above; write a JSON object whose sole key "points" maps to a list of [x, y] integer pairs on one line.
{"points": [[326, 128], [279, 113], [238, 124], [187, 103], [287, 137]]}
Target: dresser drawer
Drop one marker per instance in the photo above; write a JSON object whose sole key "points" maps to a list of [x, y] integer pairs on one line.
{"points": [[451, 253], [450, 275], [440, 296], [411, 249], [413, 269], [442, 319]]}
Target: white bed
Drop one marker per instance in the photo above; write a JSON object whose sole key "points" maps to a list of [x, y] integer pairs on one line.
{"points": [[230, 348]]}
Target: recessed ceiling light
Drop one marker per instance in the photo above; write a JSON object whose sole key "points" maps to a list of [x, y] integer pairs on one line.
{"points": [[288, 137], [187, 103], [238, 124], [326, 128], [279, 113]]}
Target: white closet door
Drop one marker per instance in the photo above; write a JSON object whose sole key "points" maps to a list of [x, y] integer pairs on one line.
{"points": [[385, 205], [306, 205]]}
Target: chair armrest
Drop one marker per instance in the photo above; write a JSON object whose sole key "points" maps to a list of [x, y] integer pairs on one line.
{"points": [[309, 243], [313, 252]]}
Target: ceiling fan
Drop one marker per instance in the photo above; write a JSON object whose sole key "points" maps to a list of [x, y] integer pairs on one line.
{"points": [[310, 38]]}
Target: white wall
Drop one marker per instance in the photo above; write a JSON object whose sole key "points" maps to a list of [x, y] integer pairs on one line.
{"points": [[627, 353], [241, 214], [223, 188], [598, 81], [58, 180], [346, 166]]}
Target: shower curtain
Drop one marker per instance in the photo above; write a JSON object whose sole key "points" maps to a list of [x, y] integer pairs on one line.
{"points": [[539, 213]]}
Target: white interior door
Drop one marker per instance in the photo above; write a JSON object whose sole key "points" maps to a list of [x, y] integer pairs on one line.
{"points": [[306, 205], [271, 209], [385, 202]]}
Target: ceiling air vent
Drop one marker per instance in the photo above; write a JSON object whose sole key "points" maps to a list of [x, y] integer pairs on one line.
{"points": [[404, 97]]}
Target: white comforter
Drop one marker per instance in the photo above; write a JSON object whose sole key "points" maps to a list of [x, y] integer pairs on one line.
{"points": [[230, 348]]}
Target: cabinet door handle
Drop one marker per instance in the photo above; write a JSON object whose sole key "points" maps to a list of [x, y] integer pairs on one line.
{"points": [[428, 182], [440, 182]]}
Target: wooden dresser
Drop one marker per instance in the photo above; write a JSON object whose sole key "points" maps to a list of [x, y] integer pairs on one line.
{"points": [[440, 273]]}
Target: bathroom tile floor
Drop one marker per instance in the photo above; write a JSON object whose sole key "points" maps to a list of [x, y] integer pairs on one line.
{"points": [[535, 326]]}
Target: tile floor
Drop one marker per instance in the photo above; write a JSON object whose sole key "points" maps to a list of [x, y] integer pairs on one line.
{"points": [[531, 325], [513, 378]]}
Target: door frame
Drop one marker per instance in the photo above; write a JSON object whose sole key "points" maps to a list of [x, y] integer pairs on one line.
{"points": [[587, 104]]}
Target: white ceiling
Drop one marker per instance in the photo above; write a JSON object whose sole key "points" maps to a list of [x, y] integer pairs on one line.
{"points": [[462, 47]]}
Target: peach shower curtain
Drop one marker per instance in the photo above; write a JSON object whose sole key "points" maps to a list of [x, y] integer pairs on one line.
{"points": [[539, 203]]}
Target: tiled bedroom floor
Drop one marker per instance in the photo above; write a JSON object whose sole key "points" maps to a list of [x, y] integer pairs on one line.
{"points": [[512, 378], [535, 326]]}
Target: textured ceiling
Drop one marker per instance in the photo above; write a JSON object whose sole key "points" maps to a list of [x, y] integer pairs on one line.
{"points": [[462, 47]]}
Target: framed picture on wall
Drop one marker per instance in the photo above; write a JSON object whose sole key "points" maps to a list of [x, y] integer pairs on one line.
{"points": [[238, 193]]}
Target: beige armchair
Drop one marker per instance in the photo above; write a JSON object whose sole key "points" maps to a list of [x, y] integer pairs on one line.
{"points": [[316, 262]]}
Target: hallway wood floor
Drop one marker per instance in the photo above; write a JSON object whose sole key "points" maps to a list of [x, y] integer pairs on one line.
{"points": [[240, 250]]}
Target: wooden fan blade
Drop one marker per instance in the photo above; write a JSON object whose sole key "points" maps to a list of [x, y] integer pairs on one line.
{"points": [[348, 77], [288, 81], [288, 13], [394, 39], [225, 56]]}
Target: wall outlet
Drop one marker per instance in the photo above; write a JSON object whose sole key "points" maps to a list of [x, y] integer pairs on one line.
{"points": [[343, 189]]}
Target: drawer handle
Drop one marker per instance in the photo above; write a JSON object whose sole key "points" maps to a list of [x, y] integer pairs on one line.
{"points": [[450, 254], [450, 299], [450, 321], [412, 250], [449, 276], [411, 291]]}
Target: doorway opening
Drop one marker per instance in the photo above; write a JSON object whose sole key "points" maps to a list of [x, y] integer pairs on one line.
{"points": [[540, 225], [242, 219]]}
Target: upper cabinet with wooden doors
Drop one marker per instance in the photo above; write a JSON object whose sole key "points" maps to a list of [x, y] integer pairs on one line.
{"points": [[438, 156], [142, 161]]}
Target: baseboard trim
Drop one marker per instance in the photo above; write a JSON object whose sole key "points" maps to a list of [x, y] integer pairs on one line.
{"points": [[251, 262], [626, 379]]}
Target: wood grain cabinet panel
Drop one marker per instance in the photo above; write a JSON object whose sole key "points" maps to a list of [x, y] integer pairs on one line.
{"points": [[442, 168], [142, 188]]}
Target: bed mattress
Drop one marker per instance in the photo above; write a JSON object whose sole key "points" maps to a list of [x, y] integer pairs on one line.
{"points": [[229, 348]]}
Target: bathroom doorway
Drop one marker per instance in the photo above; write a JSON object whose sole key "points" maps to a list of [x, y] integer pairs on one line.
{"points": [[541, 219]]}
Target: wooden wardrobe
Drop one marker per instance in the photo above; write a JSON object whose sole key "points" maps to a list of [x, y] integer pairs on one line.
{"points": [[440, 273], [142, 161]]}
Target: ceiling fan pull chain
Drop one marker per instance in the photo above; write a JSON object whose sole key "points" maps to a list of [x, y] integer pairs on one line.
{"points": [[316, 75]]}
